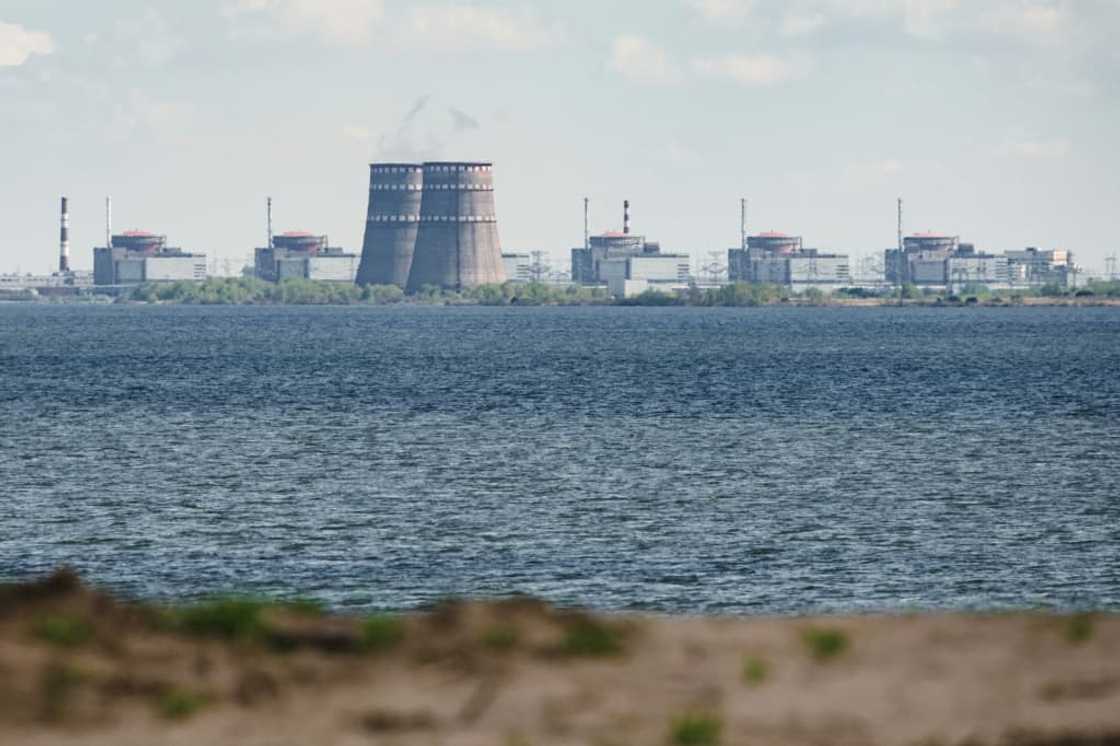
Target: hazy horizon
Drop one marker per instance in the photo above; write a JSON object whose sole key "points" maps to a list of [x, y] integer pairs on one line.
{"points": [[995, 120]]}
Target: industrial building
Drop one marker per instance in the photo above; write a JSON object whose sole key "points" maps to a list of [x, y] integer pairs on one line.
{"points": [[1036, 267], [135, 257], [627, 263], [305, 256], [518, 267], [781, 259], [942, 261]]}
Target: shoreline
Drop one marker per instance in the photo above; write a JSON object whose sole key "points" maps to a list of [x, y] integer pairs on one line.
{"points": [[83, 667], [839, 303]]}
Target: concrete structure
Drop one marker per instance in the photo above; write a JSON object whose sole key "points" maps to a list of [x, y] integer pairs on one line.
{"points": [[64, 239], [518, 267], [944, 262], [654, 268], [1035, 267], [392, 223], [780, 259], [615, 256], [135, 257], [304, 256], [919, 261], [457, 244]]}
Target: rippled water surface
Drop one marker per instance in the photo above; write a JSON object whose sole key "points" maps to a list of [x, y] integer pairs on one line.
{"points": [[687, 460]]}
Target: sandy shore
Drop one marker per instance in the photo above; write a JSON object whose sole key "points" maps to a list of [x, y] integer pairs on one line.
{"points": [[77, 666]]}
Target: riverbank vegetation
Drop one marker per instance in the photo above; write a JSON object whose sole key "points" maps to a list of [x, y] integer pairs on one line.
{"points": [[249, 291]]}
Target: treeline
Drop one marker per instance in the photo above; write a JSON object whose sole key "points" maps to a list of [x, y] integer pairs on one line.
{"points": [[299, 292], [250, 291]]}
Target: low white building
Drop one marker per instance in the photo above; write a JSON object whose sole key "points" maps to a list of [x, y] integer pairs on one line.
{"points": [[518, 267]]}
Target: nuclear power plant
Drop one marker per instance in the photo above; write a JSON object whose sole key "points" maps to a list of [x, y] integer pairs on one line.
{"points": [[431, 225], [392, 221]]}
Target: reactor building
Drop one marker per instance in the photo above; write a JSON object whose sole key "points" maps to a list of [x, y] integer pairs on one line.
{"points": [[939, 260], [432, 224], [626, 262], [135, 257], [781, 259], [302, 255]]}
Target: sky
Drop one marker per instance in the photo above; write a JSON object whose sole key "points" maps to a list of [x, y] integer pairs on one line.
{"points": [[995, 120]]}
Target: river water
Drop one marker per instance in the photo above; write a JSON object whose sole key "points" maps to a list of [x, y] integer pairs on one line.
{"points": [[771, 460]]}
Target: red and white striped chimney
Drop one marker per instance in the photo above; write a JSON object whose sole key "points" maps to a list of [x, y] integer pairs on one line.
{"points": [[64, 239]]}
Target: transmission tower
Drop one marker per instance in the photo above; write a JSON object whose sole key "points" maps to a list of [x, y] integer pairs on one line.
{"points": [[539, 268]]}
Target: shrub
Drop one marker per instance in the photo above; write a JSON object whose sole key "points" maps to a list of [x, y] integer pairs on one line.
{"points": [[382, 633], [227, 618], [825, 644], [500, 637], [63, 630], [178, 704], [696, 729], [586, 637], [755, 671]]}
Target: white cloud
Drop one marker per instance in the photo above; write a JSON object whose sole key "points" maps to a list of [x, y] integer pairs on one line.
{"points": [[473, 27], [17, 44], [641, 60], [337, 21], [724, 10], [1032, 149], [753, 69]]}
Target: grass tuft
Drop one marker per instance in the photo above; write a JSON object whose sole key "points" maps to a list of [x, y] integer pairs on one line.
{"points": [[755, 671], [696, 729], [825, 643], [586, 637], [180, 704], [227, 618], [501, 637], [382, 633], [1079, 628], [63, 630]]}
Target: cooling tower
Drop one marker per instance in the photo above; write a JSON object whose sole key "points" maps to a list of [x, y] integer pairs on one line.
{"points": [[391, 223], [457, 245]]}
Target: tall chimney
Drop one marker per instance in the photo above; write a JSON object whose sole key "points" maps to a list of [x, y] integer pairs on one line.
{"points": [[626, 217], [270, 222], [64, 239], [108, 222], [586, 223], [743, 223]]}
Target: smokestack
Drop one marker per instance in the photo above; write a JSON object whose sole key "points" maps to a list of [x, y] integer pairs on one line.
{"points": [[626, 217], [108, 222], [586, 223], [743, 223], [64, 239], [269, 222], [900, 224]]}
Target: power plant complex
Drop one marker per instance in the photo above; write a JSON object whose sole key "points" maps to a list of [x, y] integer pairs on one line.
{"points": [[434, 226], [431, 225]]}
